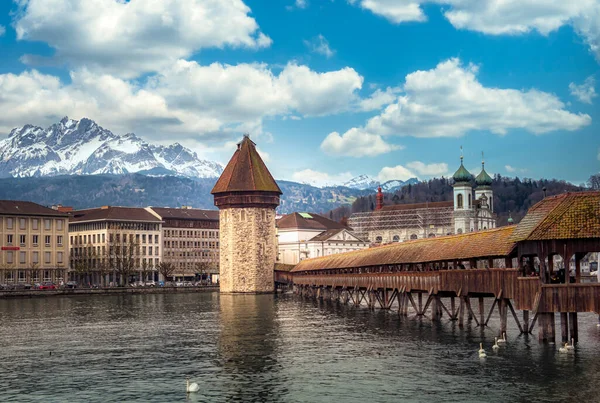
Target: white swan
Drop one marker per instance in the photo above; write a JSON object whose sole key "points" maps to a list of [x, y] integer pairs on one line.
{"points": [[481, 351], [191, 387], [564, 349], [495, 347], [503, 339], [571, 347]]}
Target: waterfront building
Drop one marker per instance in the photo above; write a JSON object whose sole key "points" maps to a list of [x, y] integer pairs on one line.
{"points": [[246, 195], [306, 235], [34, 243], [472, 209], [115, 245], [190, 241]]}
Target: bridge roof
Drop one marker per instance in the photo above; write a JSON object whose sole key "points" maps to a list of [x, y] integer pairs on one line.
{"points": [[474, 245], [565, 216]]}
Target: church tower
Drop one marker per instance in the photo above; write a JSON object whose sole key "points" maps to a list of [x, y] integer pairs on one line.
{"points": [[463, 199], [247, 196]]}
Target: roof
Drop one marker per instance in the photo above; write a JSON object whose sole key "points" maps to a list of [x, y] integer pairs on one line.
{"points": [[474, 245], [461, 174], [186, 213], [325, 236], [414, 206], [246, 172], [315, 222], [483, 179], [110, 213], [565, 216], [20, 207]]}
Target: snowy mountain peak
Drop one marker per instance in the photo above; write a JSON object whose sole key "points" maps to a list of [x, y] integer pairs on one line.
{"points": [[72, 147], [361, 182]]}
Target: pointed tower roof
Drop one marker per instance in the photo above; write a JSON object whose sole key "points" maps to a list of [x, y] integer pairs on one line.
{"points": [[246, 172], [483, 179], [461, 175]]}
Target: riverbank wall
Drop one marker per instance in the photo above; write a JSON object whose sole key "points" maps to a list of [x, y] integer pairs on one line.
{"points": [[5, 294]]}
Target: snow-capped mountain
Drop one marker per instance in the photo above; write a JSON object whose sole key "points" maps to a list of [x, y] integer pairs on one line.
{"points": [[73, 147], [396, 184], [361, 182]]}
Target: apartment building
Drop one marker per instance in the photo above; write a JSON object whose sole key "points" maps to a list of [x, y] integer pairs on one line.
{"points": [[190, 241], [34, 243], [115, 245]]}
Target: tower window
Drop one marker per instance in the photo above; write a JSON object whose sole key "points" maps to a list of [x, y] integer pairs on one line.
{"points": [[470, 202], [459, 201]]}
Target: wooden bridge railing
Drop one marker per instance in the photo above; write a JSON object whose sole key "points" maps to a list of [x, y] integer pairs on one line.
{"points": [[526, 291], [572, 298]]}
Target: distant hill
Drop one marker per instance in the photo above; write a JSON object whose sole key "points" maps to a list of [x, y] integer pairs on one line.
{"points": [[84, 191], [512, 195]]}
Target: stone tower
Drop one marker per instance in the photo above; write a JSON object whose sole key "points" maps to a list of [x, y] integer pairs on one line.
{"points": [[246, 195], [463, 199]]}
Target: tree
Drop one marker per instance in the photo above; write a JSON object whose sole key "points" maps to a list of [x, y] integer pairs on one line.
{"points": [[122, 255], [82, 260], [594, 182], [166, 269]]}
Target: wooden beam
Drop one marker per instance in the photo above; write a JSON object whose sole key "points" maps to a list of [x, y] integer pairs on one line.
{"points": [[468, 302], [514, 314], [491, 311]]}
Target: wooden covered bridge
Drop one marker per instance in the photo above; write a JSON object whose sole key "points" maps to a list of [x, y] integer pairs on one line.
{"points": [[437, 275]]}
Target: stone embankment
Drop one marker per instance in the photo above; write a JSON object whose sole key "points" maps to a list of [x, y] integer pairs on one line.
{"points": [[103, 291]]}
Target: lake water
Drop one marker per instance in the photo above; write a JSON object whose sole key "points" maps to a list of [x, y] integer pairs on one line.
{"points": [[140, 348]]}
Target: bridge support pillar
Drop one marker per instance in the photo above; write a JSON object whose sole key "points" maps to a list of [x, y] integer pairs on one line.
{"points": [[461, 312], [435, 308], [564, 327], [574, 328], [503, 308], [546, 327], [526, 321], [481, 312], [420, 301]]}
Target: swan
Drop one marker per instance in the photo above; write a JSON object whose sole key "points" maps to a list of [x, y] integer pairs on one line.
{"points": [[503, 339], [564, 349], [571, 347], [495, 347], [191, 387], [481, 350]]}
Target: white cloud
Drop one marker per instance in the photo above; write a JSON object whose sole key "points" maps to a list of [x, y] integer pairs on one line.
{"points": [[320, 45], [126, 39], [448, 101], [397, 172], [2, 30], [584, 92], [510, 168], [501, 17], [187, 99], [356, 143], [301, 3], [320, 179], [378, 99], [436, 169]]}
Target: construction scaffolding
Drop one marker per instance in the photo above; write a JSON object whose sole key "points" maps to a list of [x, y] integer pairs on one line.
{"points": [[421, 219]]}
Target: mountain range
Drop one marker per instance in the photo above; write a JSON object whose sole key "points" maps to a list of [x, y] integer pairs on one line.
{"points": [[72, 147]]}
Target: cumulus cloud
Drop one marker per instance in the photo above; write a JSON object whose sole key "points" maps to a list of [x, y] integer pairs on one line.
{"points": [[499, 17], [320, 45], [320, 179], [126, 39], [585, 92], [2, 30], [449, 101], [187, 98], [356, 143], [436, 169], [397, 172], [378, 99], [510, 169]]}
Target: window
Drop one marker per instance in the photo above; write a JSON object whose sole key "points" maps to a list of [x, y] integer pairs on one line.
{"points": [[59, 240], [9, 239], [156, 251], [432, 235], [35, 224], [85, 239], [156, 262], [47, 224], [35, 239], [470, 202], [9, 257], [149, 250], [47, 240], [22, 223], [22, 240], [71, 239], [143, 250], [155, 238], [144, 238], [36, 257], [21, 276], [413, 236], [459, 231], [103, 238], [396, 238], [378, 239], [47, 257], [93, 238], [459, 201], [9, 223], [59, 225], [150, 238], [22, 257], [59, 257]]}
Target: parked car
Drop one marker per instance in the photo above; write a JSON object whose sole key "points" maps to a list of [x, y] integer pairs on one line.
{"points": [[71, 284], [150, 284], [47, 286]]}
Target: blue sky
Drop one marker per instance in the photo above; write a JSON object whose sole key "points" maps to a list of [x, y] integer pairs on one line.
{"points": [[328, 89]]}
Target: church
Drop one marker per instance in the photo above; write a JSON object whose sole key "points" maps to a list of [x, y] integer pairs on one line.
{"points": [[472, 209]]}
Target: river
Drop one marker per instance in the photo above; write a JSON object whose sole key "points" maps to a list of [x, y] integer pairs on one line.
{"points": [[266, 348]]}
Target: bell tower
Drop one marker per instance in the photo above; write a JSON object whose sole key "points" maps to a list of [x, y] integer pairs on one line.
{"points": [[247, 196], [463, 199]]}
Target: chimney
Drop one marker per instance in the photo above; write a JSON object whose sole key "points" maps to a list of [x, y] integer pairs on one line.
{"points": [[104, 207], [65, 209], [379, 205]]}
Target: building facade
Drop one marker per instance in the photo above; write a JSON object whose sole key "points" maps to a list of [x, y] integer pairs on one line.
{"points": [[115, 245], [190, 242], [246, 195], [306, 235], [34, 243]]}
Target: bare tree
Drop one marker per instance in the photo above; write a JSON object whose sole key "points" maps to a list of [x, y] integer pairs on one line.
{"points": [[121, 256], [166, 269], [594, 182]]}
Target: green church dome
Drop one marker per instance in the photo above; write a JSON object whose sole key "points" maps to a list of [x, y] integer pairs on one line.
{"points": [[483, 179], [462, 175]]}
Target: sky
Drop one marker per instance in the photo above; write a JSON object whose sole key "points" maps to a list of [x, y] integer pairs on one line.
{"points": [[328, 89]]}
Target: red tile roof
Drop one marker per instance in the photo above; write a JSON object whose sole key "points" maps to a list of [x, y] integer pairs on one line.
{"points": [[566, 216], [317, 222], [474, 245], [19, 207], [113, 214], [186, 213], [245, 172]]}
